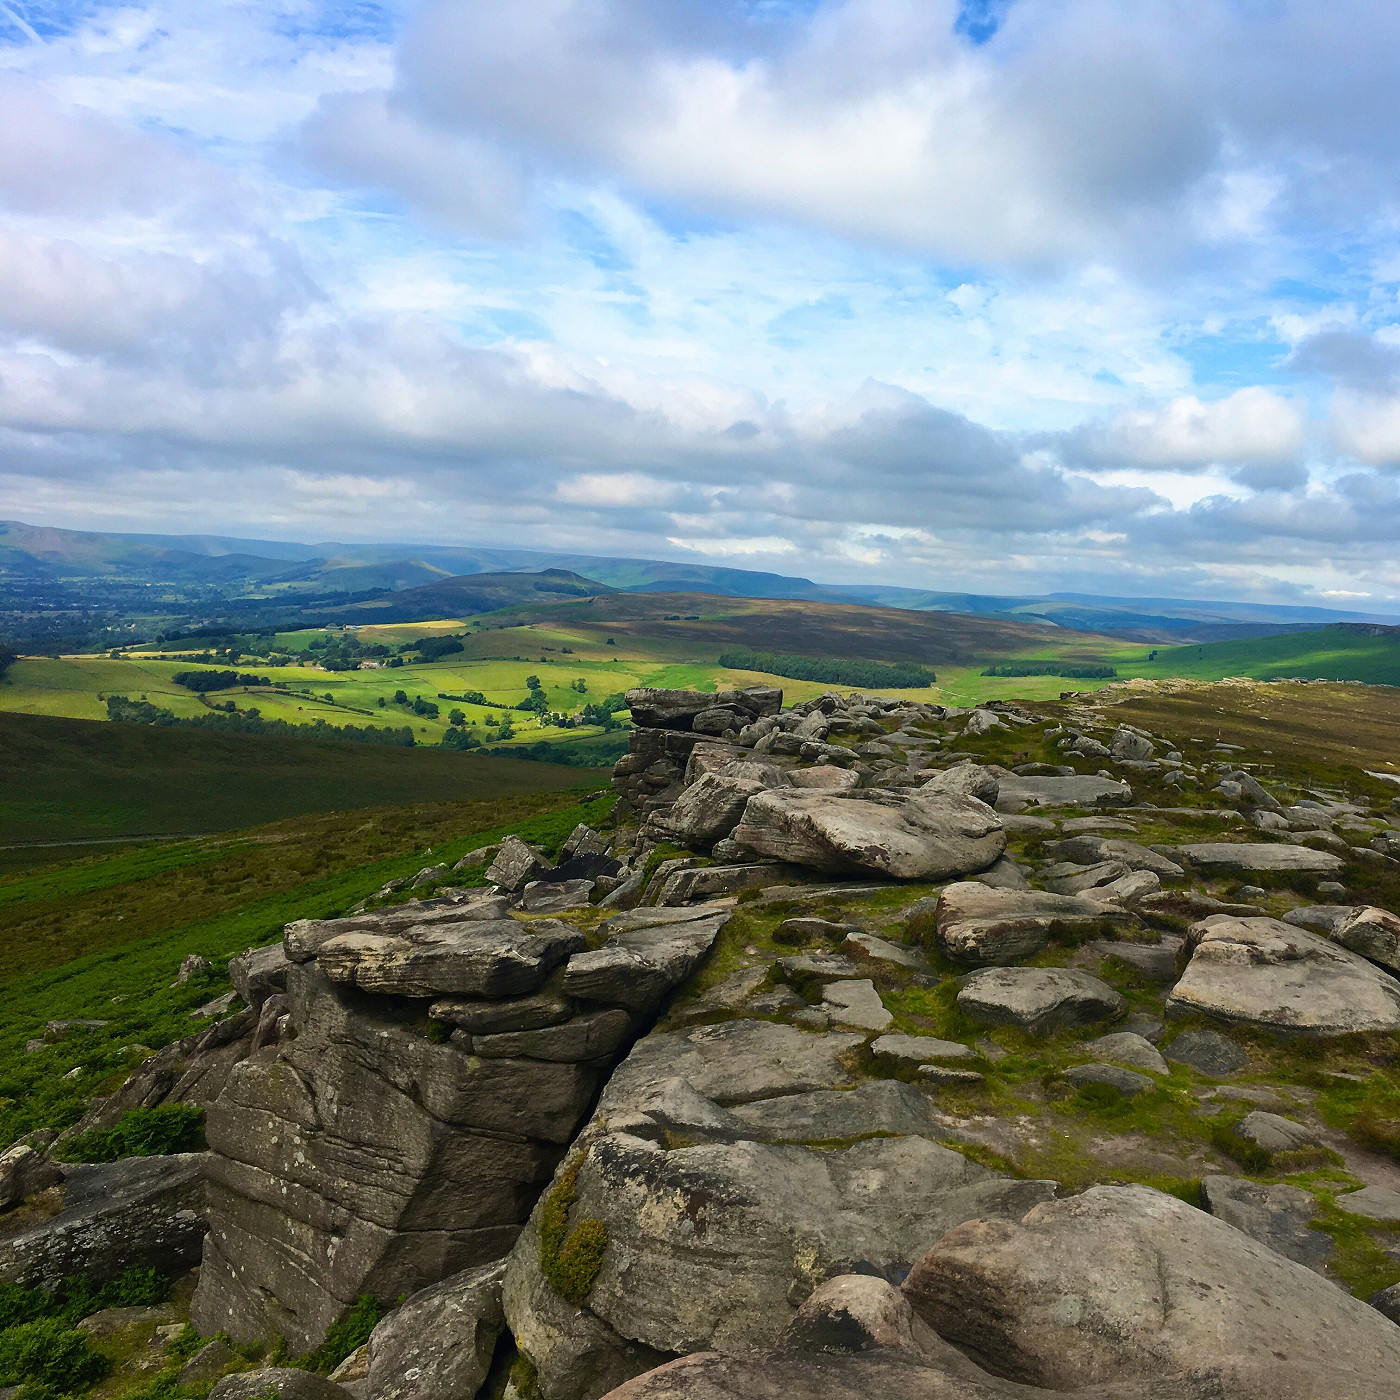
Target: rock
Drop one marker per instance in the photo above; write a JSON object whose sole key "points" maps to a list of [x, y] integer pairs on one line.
{"points": [[438, 1344], [729, 995], [109, 1321], [1372, 932], [1321, 918], [1331, 889], [430, 875], [856, 1006], [942, 1076], [981, 722], [648, 952], [677, 709], [802, 930], [1130, 889], [474, 860], [818, 967], [515, 1014], [1274, 1133], [913, 837], [1263, 972], [979, 926], [1126, 1048], [194, 967], [855, 1313], [1004, 875], [1041, 999], [60, 1030], [1156, 961], [877, 1107], [1231, 856], [591, 1036], [1125, 1081], [23, 1172], [1372, 1202], [684, 886], [584, 841], [1127, 1285], [1129, 744], [920, 1049], [499, 958], [1270, 1212], [965, 780], [277, 1383], [552, 896], [1071, 879], [259, 973], [207, 1364], [1207, 1052], [137, 1213], [516, 864], [870, 948], [710, 809], [1017, 793], [826, 777], [1092, 850], [219, 1006]]}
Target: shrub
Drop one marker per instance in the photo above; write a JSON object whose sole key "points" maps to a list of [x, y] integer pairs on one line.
{"points": [[141, 1132], [49, 1352], [347, 1335]]}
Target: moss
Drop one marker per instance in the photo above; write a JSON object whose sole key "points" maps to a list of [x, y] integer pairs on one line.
{"points": [[570, 1259], [1359, 1260], [525, 1378]]}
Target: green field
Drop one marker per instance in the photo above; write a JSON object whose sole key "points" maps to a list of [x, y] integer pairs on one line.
{"points": [[77, 780]]}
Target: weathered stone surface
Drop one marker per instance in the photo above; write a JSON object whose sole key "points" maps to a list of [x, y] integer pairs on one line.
{"points": [[1125, 1284], [515, 1014], [649, 952], [438, 1344], [1017, 793], [259, 973], [1372, 1202], [207, 1364], [1207, 1052], [1156, 961], [1004, 875], [552, 896], [590, 1036], [1252, 856], [516, 864], [914, 837], [1320, 918], [1263, 972], [1041, 999], [983, 927], [919, 1049], [22, 1172], [825, 777], [1129, 744], [677, 709], [1387, 1302], [1372, 932], [965, 780], [499, 958], [1126, 1048], [138, 1213], [302, 939], [877, 1106], [1067, 878], [1093, 850], [280, 1381], [1125, 1081], [871, 948], [856, 1005], [1270, 1212], [710, 808], [1275, 1133]]}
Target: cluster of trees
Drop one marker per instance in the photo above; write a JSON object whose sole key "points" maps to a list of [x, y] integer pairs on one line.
{"points": [[867, 674], [434, 648], [536, 700], [585, 754], [1071, 670], [203, 681], [127, 711], [426, 708], [471, 697]]}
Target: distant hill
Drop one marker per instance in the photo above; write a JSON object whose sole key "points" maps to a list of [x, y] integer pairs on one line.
{"points": [[466, 596], [1363, 651]]}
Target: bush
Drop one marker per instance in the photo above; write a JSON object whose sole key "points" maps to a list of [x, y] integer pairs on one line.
{"points": [[869, 674], [78, 1297], [141, 1132], [49, 1352], [202, 681]]}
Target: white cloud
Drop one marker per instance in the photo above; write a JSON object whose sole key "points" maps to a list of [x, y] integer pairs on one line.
{"points": [[1251, 425]]}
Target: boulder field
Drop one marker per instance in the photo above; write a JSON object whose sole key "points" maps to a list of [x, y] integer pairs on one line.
{"points": [[844, 1060]]}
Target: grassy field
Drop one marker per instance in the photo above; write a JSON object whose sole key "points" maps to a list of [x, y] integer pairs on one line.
{"points": [[77, 780]]}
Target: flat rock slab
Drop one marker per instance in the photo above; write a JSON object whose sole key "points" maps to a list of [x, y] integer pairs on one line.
{"points": [[1127, 1048], [494, 958], [1260, 856], [1207, 1052], [1263, 972], [919, 1049], [856, 1006], [870, 947], [1372, 1202], [1017, 792], [1274, 1133], [277, 1383], [914, 837], [1041, 999], [1156, 961], [984, 927], [649, 952], [1274, 1214], [830, 1115]]}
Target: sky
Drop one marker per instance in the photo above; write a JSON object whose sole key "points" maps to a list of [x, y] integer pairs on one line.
{"points": [[999, 295]]}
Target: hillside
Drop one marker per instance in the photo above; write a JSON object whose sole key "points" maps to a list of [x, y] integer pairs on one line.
{"points": [[463, 596]]}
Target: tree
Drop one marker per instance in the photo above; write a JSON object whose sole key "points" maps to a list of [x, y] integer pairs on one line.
{"points": [[507, 729], [457, 717], [401, 697]]}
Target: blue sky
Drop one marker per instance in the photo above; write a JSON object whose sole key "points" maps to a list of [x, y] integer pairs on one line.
{"points": [[999, 296]]}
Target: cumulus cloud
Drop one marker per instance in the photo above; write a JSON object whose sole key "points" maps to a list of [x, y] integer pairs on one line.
{"points": [[1251, 425]]}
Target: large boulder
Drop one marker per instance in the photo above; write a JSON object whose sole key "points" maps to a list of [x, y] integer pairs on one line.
{"points": [[1126, 1284], [910, 837], [278, 1383], [1372, 932], [1263, 972], [965, 780], [438, 1344], [710, 808], [1236, 857], [1276, 1215], [677, 709], [516, 864], [1039, 999], [1091, 850], [138, 1213], [980, 926], [1017, 793]]}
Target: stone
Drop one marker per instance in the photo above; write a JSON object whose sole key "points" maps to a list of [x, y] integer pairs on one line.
{"points": [[23, 1172], [553, 896], [109, 1321], [871, 948], [302, 939], [1372, 1202], [438, 1344], [1124, 1285], [1131, 889], [1068, 878], [259, 973], [684, 886], [920, 1049], [818, 967], [1372, 932], [877, 1107], [1331, 889], [219, 1006], [1263, 972], [515, 1014], [1125, 1081], [1276, 1215], [856, 1005], [825, 777], [979, 926], [803, 930], [981, 722], [909, 837], [1155, 961], [1126, 1048], [194, 967], [431, 875], [677, 709], [1247, 857], [1040, 999], [584, 841], [60, 1030], [277, 1383], [499, 958], [648, 952], [710, 809], [1004, 875], [516, 864], [1129, 744], [474, 860], [965, 780], [1017, 793], [207, 1364], [1273, 1133], [1092, 850], [137, 1213], [1321, 918], [855, 1313], [1207, 1052], [355, 1367], [590, 1036]]}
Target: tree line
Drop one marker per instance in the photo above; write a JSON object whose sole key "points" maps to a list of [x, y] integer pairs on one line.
{"points": [[867, 674]]}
